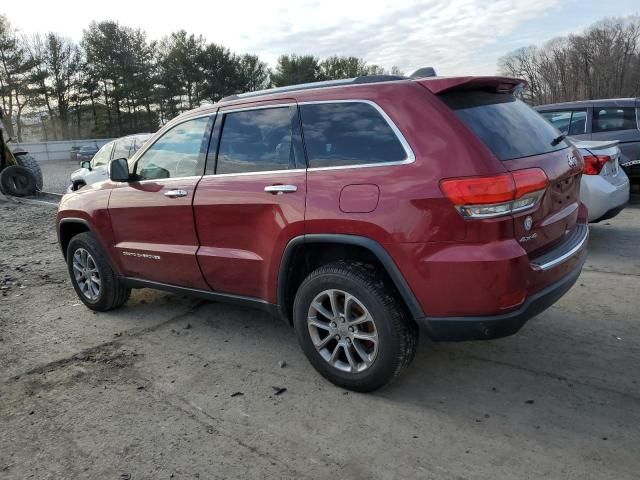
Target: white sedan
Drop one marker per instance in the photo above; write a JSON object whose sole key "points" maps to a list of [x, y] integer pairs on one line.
{"points": [[604, 188]]}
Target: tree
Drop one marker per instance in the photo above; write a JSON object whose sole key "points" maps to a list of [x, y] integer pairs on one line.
{"points": [[180, 63], [15, 67], [120, 58], [220, 69], [602, 62], [56, 75], [336, 67], [295, 69], [253, 74]]}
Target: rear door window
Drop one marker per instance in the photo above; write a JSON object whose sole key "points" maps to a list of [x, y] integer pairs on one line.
{"points": [[348, 133], [509, 127], [614, 118]]}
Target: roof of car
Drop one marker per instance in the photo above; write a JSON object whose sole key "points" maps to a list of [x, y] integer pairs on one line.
{"points": [[433, 83], [603, 102]]}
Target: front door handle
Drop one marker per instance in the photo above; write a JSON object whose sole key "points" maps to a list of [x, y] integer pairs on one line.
{"points": [[175, 193], [280, 189]]}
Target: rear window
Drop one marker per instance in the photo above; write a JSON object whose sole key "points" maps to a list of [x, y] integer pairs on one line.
{"points": [[509, 127]]}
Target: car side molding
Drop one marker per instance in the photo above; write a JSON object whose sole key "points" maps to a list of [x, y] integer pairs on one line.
{"points": [[240, 300], [343, 239]]}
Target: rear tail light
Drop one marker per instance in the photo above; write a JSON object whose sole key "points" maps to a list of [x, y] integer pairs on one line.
{"points": [[593, 164], [495, 196]]}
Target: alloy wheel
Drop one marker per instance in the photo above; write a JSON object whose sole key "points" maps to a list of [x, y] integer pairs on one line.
{"points": [[343, 331], [86, 274]]}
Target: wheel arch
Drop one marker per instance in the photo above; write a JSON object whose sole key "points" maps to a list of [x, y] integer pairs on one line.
{"points": [[293, 267], [69, 227]]}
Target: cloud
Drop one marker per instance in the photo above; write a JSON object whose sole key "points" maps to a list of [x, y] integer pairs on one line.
{"points": [[451, 35], [454, 36]]}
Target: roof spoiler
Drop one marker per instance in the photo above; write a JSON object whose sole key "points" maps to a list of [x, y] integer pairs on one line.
{"points": [[495, 84]]}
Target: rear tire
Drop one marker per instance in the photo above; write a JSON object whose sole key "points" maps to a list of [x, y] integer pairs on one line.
{"points": [[92, 277], [17, 181], [369, 353], [30, 163]]}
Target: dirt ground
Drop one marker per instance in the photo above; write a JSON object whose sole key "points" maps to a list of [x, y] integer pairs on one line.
{"points": [[172, 387]]}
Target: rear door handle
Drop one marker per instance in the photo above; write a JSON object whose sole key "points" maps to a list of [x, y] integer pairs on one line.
{"points": [[175, 193], [280, 189]]}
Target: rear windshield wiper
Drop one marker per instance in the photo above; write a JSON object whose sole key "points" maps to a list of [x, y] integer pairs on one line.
{"points": [[558, 139]]}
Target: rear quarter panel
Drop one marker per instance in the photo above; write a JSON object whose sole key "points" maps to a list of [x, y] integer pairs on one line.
{"points": [[411, 207]]}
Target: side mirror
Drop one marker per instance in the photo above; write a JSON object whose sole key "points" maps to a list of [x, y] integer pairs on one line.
{"points": [[86, 164], [119, 170]]}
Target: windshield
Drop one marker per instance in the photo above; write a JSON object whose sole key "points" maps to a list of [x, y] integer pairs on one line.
{"points": [[509, 127]]}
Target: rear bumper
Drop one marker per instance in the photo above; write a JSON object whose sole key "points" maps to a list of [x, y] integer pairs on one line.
{"points": [[455, 329], [603, 194]]}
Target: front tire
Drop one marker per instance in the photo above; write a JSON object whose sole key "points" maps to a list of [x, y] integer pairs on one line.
{"points": [[93, 279], [352, 328]]}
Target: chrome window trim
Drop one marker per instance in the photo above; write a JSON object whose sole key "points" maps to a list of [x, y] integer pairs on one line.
{"points": [[169, 179], [256, 107], [265, 172], [410, 156]]}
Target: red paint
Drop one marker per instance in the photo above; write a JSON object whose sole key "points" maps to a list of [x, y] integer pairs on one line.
{"points": [[243, 230], [229, 235], [359, 198]]}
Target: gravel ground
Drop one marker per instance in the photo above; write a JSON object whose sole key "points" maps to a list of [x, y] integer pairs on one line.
{"points": [[174, 387], [57, 175]]}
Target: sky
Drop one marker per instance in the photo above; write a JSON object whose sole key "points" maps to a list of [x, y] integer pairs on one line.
{"points": [[456, 37]]}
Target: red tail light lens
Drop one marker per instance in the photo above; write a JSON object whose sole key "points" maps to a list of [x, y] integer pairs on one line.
{"points": [[479, 190], [529, 180], [504, 194], [593, 164]]}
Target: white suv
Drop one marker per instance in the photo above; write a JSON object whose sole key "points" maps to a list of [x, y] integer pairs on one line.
{"points": [[96, 170]]}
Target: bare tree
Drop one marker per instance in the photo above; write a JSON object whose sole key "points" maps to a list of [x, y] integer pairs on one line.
{"points": [[603, 61]]}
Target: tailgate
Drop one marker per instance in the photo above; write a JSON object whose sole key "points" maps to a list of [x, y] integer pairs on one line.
{"points": [[557, 211], [522, 139]]}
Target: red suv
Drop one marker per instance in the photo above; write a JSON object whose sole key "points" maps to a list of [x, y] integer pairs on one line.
{"points": [[356, 210]]}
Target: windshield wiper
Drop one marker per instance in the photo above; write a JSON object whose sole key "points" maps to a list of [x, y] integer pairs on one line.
{"points": [[558, 139]]}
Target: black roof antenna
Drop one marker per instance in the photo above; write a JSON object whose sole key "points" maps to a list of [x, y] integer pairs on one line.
{"points": [[424, 72]]}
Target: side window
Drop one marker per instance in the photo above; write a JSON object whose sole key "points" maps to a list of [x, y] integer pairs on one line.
{"points": [[561, 120], [137, 144], [614, 118], [257, 141], [103, 156], [180, 152], [122, 148], [348, 133], [578, 125]]}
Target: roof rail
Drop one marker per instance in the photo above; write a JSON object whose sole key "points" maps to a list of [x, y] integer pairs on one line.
{"points": [[308, 86]]}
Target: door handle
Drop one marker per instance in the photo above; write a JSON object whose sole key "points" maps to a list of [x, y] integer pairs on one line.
{"points": [[175, 193], [280, 189]]}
